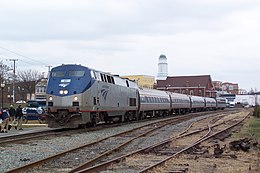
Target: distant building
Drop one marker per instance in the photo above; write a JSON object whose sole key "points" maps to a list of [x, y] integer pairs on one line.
{"points": [[217, 85], [228, 87], [162, 68], [242, 91], [143, 81], [190, 85], [23, 91], [231, 88], [40, 88]]}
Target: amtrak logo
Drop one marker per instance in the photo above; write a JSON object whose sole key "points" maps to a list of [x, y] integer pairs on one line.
{"points": [[63, 84], [104, 93]]}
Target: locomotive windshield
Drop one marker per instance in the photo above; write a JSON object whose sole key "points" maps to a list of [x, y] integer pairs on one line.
{"points": [[76, 73], [58, 74], [68, 80], [72, 73]]}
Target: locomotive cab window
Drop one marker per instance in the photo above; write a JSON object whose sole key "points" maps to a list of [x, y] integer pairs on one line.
{"points": [[58, 73], [76, 73]]}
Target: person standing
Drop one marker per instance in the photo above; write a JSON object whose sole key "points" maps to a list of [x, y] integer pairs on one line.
{"points": [[5, 117], [13, 120], [19, 116], [12, 113]]}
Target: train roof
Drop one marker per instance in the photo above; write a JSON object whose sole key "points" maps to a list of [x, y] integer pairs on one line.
{"points": [[117, 79], [152, 92]]}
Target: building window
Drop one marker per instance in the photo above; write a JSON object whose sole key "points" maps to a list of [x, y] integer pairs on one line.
{"points": [[191, 92], [200, 92]]}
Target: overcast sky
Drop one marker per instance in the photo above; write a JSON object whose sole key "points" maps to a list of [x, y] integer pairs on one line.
{"points": [[126, 37]]}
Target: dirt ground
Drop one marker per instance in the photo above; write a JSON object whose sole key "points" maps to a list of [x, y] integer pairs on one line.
{"points": [[203, 159]]}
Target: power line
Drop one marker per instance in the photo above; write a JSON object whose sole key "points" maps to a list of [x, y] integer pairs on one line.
{"points": [[28, 62], [22, 55]]}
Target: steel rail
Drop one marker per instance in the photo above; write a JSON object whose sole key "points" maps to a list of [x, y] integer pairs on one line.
{"points": [[190, 146], [103, 165], [106, 164], [27, 136], [39, 162], [91, 162]]}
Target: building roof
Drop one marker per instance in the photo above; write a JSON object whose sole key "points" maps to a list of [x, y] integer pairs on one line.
{"points": [[162, 56], [183, 81]]}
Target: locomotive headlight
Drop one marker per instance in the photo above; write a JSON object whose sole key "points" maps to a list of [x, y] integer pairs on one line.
{"points": [[75, 98], [50, 98], [63, 91]]}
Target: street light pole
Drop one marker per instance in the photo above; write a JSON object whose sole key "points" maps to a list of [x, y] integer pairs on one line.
{"points": [[2, 87]]}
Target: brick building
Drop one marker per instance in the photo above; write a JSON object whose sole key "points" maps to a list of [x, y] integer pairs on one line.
{"points": [[22, 91], [231, 88], [191, 85]]}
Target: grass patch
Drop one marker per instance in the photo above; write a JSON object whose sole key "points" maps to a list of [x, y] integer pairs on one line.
{"points": [[251, 129], [256, 112], [254, 128]]}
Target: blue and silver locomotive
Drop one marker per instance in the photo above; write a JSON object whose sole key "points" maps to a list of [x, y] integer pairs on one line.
{"points": [[78, 95]]}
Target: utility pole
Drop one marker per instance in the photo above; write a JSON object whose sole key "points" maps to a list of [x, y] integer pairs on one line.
{"points": [[14, 60], [49, 70]]}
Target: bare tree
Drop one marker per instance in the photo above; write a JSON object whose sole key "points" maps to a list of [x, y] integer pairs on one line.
{"points": [[4, 72], [28, 79]]}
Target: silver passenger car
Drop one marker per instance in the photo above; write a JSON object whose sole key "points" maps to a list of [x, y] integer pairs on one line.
{"points": [[181, 103], [154, 102], [211, 103], [197, 103]]}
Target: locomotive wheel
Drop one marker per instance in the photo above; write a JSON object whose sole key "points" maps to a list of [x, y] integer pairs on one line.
{"points": [[128, 117], [141, 116]]}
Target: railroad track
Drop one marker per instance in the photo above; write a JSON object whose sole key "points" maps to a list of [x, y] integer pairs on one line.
{"points": [[149, 155], [32, 165], [28, 136], [54, 132], [61, 161], [213, 130]]}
